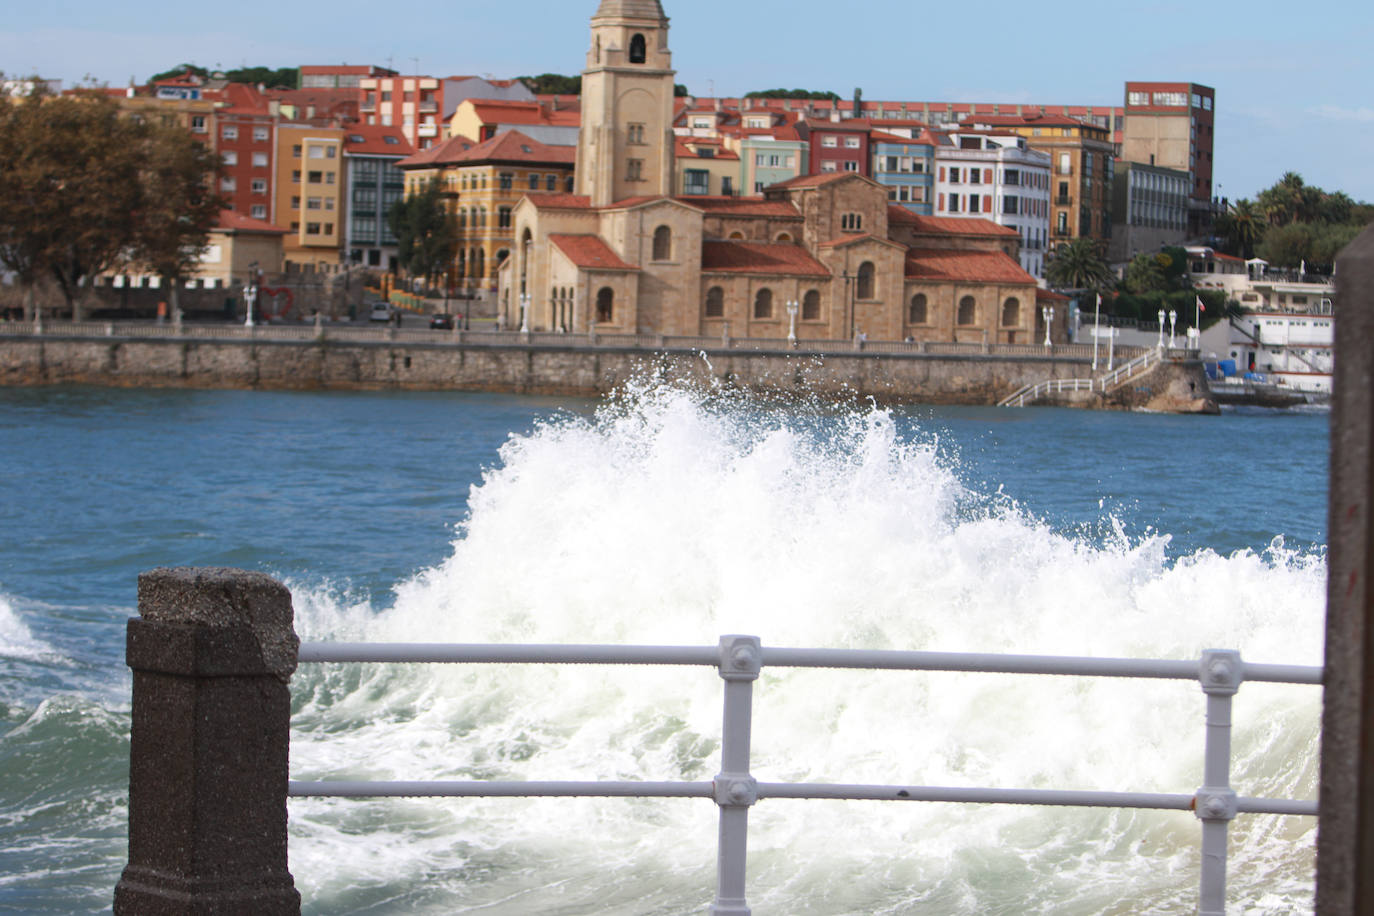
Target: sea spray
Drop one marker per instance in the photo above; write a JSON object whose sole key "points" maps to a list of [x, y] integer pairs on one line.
{"points": [[674, 516]]}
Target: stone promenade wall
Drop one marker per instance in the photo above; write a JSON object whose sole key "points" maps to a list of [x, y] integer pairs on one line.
{"points": [[540, 369]]}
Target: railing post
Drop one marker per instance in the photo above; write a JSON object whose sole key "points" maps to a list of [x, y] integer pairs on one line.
{"points": [[735, 790], [211, 652], [1221, 673]]}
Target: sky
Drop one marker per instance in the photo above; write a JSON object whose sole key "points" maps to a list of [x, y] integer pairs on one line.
{"points": [[1292, 81]]}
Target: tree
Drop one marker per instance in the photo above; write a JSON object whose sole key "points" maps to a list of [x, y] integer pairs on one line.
{"points": [[426, 233], [1144, 274], [552, 84], [1078, 264], [178, 206], [178, 71], [85, 189], [272, 78], [791, 94]]}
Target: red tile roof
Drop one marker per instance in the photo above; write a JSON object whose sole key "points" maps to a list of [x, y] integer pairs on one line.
{"points": [[372, 140], [499, 111], [809, 181], [439, 154], [760, 258], [683, 150], [743, 206], [1049, 295], [946, 264], [1027, 120], [233, 221], [589, 252], [948, 225], [554, 200], [513, 146]]}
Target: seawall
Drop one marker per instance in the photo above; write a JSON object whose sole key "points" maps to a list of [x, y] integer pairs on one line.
{"points": [[548, 364]]}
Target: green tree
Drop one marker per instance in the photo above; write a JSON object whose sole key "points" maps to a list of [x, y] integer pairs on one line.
{"points": [[426, 233], [553, 84], [178, 71], [178, 205], [791, 94], [1144, 274], [272, 78], [1078, 264]]}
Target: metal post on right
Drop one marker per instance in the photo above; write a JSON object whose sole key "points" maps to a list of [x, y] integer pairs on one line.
{"points": [[1220, 672]]}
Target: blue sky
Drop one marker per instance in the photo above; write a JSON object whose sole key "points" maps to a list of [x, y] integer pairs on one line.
{"points": [[1293, 82]]}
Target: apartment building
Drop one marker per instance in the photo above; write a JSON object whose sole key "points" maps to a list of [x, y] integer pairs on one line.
{"points": [[997, 176], [705, 167], [373, 183], [245, 132], [837, 146], [1150, 209], [768, 156], [1171, 125], [310, 194], [906, 166]]}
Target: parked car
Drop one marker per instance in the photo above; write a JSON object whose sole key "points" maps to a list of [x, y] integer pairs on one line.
{"points": [[380, 312], [441, 321]]}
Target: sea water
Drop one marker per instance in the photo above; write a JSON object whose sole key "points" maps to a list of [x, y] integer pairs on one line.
{"points": [[673, 516]]}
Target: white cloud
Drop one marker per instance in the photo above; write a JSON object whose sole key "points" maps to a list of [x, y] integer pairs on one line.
{"points": [[1341, 113]]}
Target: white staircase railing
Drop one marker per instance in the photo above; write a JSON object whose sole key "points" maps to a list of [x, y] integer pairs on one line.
{"points": [[1121, 375]]}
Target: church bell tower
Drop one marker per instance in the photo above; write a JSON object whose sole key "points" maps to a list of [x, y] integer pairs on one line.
{"points": [[625, 147]]}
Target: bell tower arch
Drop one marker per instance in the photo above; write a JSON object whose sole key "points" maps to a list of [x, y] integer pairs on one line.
{"points": [[625, 147]]}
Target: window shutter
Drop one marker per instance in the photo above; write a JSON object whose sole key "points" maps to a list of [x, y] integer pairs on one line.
{"points": [[987, 176], [987, 203]]}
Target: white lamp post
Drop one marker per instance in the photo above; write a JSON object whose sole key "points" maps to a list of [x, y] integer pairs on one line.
{"points": [[1048, 312], [1111, 348], [1097, 326], [525, 313], [250, 292], [1161, 329], [792, 323], [1173, 318]]}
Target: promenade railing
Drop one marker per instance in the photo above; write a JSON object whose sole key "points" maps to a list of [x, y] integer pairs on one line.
{"points": [[213, 649], [382, 334]]}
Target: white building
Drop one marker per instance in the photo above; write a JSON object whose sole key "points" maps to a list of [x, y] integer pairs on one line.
{"points": [[995, 176], [1288, 325]]}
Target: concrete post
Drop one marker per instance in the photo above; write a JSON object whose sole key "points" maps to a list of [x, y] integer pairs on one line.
{"points": [[211, 653], [1345, 833]]}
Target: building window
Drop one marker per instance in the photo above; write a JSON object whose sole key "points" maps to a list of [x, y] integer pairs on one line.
{"points": [[968, 311], [763, 303], [503, 218], [726, 186], [916, 311], [715, 303], [954, 175], [830, 165], [830, 142], [851, 142], [851, 166], [230, 157], [974, 202], [198, 124], [634, 170], [605, 305], [635, 134], [260, 134], [534, 181], [954, 203], [864, 285], [851, 222], [975, 176], [696, 181], [259, 186], [259, 160], [638, 49], [811, 305], [226, 184], [1011, 313], [663, 243], [229, 132], [505, 181], [259, 211], [312, 228]]}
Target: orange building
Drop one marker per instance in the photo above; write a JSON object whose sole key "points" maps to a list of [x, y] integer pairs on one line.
{"points": [[309, 195]]}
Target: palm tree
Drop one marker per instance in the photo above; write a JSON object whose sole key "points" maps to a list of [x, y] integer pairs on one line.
{"points": [[1078, 264], [1244, 227]]}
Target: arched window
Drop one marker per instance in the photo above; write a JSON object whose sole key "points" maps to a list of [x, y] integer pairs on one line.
{"points": [[811, 305], [663, 243], [763, 303], [463, 218], [715, 303], [1011, 312], [462, 262], [865, 281], [605, 304], [501, 256], [478, 262], [916, 313], [637, 49], [968, 311], [736, 235], [784, 237]]}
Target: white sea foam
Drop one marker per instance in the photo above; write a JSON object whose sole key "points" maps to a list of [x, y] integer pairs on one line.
{"points": [[16, 640], [673, 518]]}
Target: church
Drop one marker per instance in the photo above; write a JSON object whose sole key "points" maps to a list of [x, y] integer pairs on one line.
{"points": [[824, 256]]}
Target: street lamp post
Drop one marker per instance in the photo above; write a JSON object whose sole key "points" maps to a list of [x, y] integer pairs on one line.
{"points": [[1048, 312], [1097, 326], [792, 323], [1161, 329], [250, 292], [1173, 318]]}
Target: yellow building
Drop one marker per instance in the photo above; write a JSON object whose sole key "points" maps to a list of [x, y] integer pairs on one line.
{"points": [[481, 185], [704, 167], [309, 189]]}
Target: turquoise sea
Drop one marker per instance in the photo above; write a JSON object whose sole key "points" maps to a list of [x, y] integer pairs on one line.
{"points": [[673, 516]]}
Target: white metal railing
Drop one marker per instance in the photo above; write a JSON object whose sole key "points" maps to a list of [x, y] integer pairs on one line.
{"points": [[1122, 375], [740, 659], [1029, 394]]}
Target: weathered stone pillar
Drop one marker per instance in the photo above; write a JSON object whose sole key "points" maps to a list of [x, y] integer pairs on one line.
{"points": [[211, 653], [1345, 833]]}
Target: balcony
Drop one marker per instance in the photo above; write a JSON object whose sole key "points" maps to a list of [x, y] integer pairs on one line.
{"points": [[1063, 200], [427, 130]]}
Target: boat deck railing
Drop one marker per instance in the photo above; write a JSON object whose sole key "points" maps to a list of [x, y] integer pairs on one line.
{"points": [[739, 661]]}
